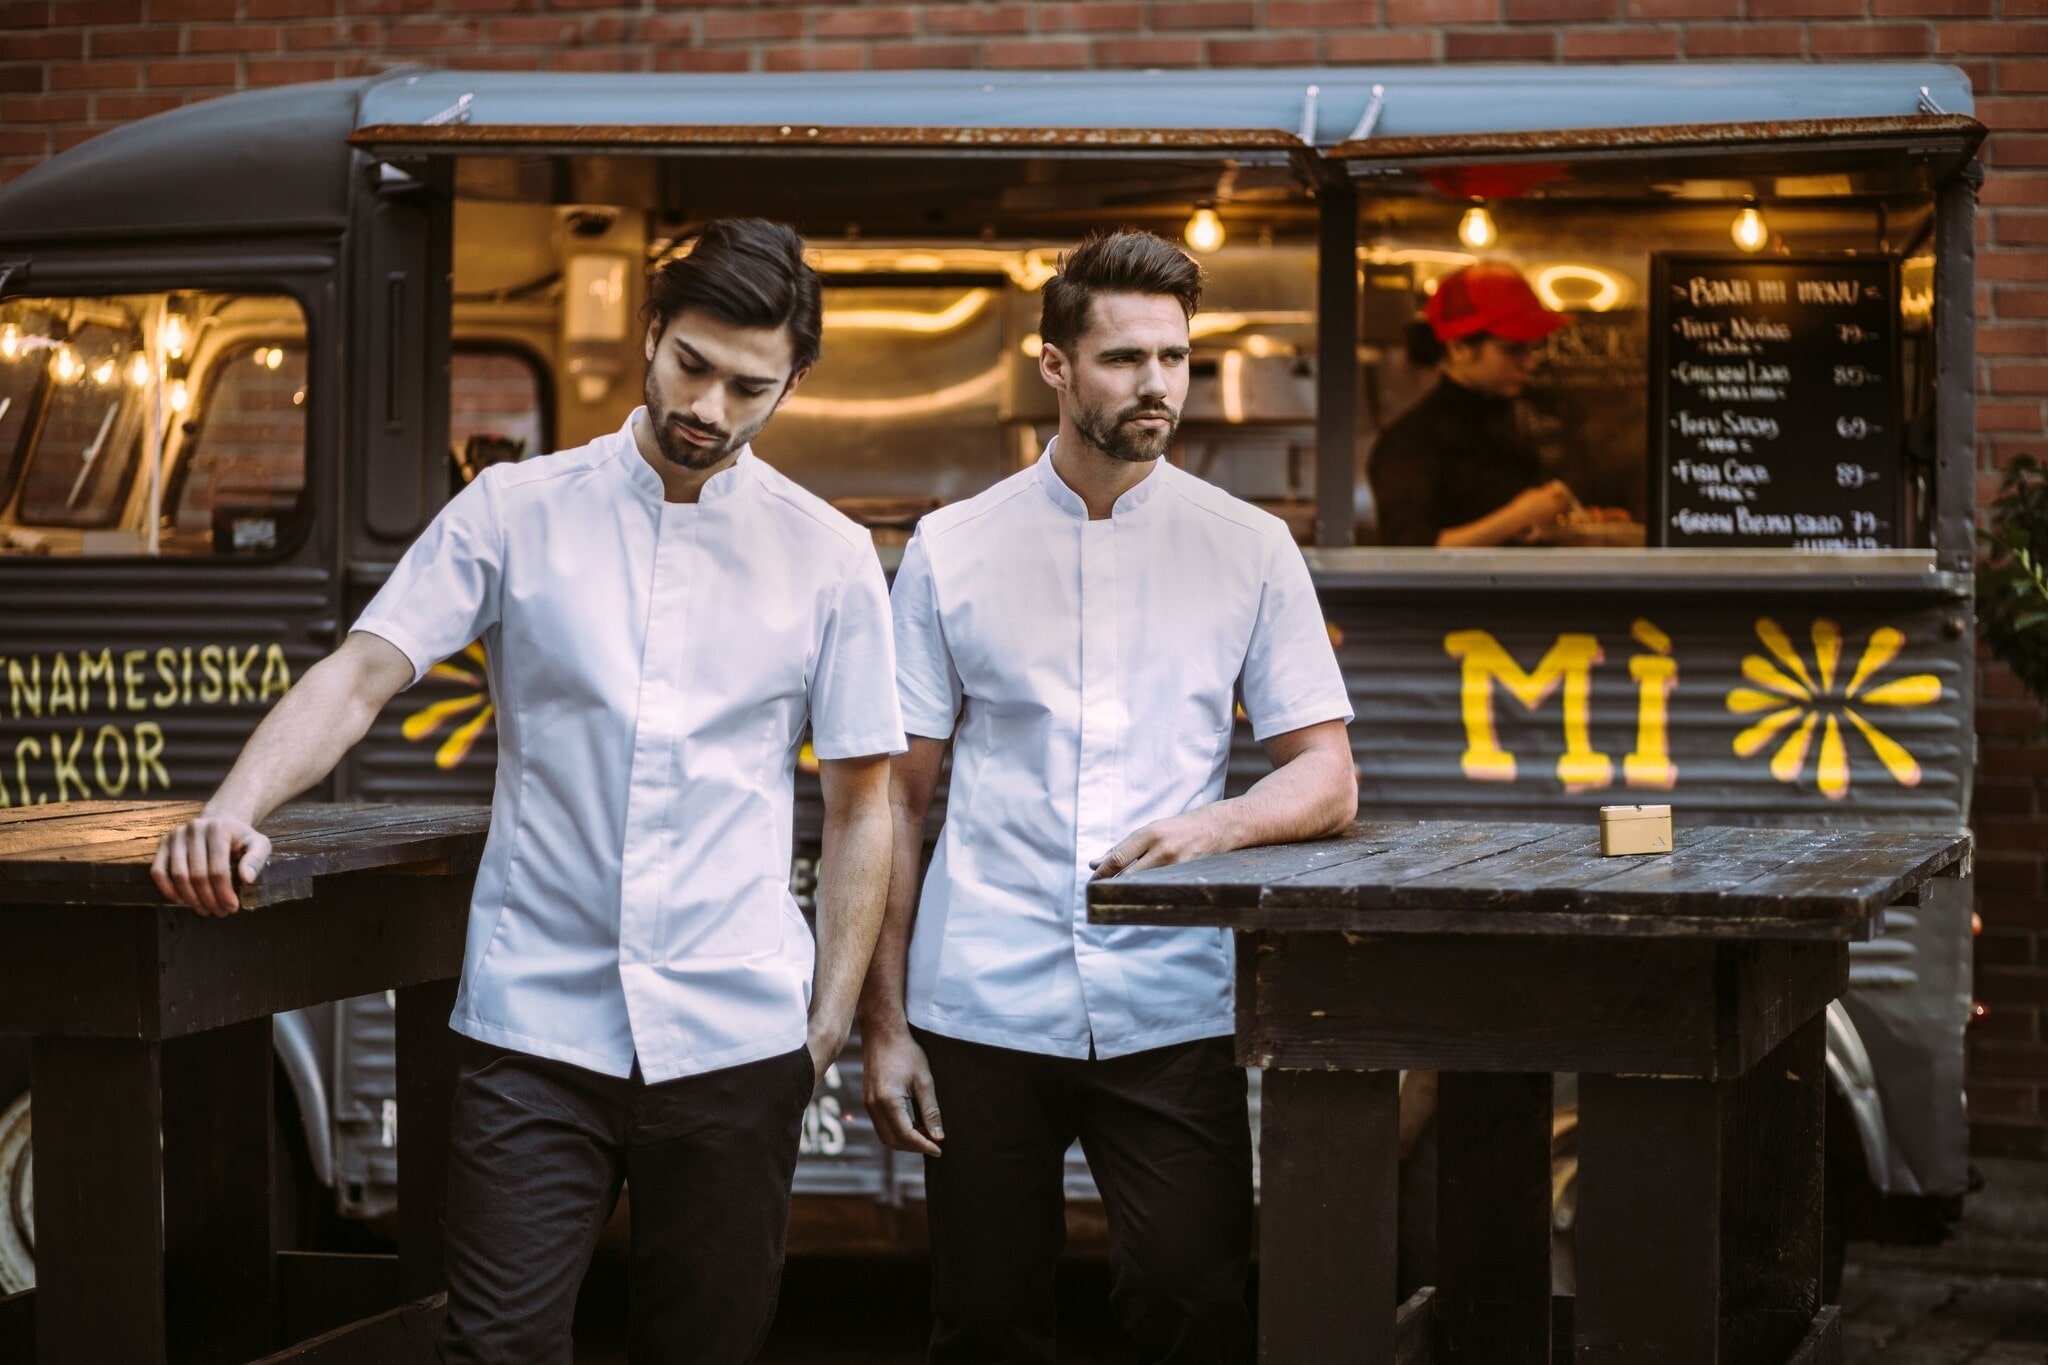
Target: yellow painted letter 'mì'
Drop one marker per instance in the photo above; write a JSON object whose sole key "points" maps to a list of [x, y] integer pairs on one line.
{"points": [[1570, 662]]}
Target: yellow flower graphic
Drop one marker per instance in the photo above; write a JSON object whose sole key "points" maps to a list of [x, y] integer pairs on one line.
{"points": [[1804, 700], [428, 719]]}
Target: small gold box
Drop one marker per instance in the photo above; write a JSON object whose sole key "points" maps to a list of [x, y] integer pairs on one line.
{"points": [[1634, 829]]}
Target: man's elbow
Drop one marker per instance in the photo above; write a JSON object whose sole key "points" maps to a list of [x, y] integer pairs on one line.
{"points": [[1343, 804]]}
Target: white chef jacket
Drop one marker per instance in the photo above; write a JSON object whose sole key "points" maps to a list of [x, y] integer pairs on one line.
{"points": [[653, 665], [1090, 666]]}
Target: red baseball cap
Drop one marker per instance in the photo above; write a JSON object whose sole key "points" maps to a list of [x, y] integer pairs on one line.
{"points": [[1490, 297]]}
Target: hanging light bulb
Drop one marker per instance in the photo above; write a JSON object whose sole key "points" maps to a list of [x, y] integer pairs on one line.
{"points": [[175, 335], [104, 372], [1749, 230], [273, 358], [180, 396], [1204, 231], [1476, 228], [10, 342], [138, 369], [66, 365]]}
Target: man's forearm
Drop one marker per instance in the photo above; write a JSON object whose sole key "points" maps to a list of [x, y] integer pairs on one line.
{"points": [[853, 884], [882, 997], [1312, 795], [299, 742]]}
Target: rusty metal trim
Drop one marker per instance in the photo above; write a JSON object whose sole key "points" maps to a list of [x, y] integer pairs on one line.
{"points": [[1967, 132], [485, 136]]}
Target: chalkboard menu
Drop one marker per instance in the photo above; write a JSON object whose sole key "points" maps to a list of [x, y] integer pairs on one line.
{"points": [[1774, 402]]}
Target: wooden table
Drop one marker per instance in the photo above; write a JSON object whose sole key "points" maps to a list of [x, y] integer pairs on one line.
{"points": [[151, 1064], [1688, 991]]}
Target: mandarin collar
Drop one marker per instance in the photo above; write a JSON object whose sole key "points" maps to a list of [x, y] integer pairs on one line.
{"points": [[648, 484], [1068, 501]]}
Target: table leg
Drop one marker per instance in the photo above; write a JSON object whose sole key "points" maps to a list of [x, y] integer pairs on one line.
{"points": [[1328, 1149], [1493, 1217], [219, 1263], [99, 1222], [428, 1055], [1772, 1196]]}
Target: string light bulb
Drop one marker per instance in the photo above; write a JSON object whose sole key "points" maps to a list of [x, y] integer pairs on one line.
{"points": [[1476, 229], [180, 396], [66, 365], [174, 335], [104, 372], [1204, 231], [1749, 230], [10, 342], [138, 369]]}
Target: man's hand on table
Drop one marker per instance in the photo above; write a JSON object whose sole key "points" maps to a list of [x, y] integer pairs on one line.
{"points": [[1164, 843], [198, 863]]}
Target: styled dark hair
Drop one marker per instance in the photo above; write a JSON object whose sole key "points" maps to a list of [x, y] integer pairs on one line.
{"points": [[1126, 262], [1426, 349], [748, 272]]}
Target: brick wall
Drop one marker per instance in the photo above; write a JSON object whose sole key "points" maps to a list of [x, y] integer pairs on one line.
{"points": [[70, 68]]}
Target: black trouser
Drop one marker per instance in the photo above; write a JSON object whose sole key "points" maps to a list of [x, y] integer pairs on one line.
{"points": [[539, 1150], [1168, 1140]]}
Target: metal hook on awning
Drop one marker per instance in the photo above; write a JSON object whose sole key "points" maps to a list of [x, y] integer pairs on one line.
{"points": [[1928, 104], [1371, 117], [457, 112], [1309, 98]]}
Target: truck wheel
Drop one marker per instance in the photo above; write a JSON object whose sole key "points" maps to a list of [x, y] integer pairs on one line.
{"points": [[17, 1200]]}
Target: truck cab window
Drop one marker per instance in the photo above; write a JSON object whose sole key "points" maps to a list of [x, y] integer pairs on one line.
{"points": [[167, 423]]}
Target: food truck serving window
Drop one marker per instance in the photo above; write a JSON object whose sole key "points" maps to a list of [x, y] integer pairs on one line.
{"points": [[167, 423]]}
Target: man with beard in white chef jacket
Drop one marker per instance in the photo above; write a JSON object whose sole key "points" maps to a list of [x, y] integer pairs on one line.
{"points": [[1079, 633], [664, 615]]}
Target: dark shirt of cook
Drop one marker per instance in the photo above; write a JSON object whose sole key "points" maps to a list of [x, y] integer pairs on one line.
{"points": [[1453, 457]]}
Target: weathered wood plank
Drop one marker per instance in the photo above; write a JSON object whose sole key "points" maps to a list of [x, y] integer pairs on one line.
{"points": [[1493, 1217], [429, 1053], [1823, 1344], [1415, 1329], [403, 1336], [1771, 1199]]}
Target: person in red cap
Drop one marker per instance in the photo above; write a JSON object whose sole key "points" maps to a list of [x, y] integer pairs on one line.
{"points": [[1454, 469]]}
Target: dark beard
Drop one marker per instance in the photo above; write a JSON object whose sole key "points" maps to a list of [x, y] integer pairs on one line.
{"points": [[1119, 440], [674, 447]]}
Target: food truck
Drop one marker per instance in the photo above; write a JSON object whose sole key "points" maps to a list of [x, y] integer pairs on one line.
{"points": [[248, 348]]}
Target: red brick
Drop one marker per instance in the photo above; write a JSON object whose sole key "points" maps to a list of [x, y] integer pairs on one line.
{"points": [[1930, 9], [362, 34], [2012, 111], [1683, 9], [933, 56], [1289, 51], [2009, 338], [2025, 9], [2028, 39], [581, 4], [132, 42], [24, 142], [86, 13], [1104, 17], [740, 25], [1380, 47], [24, 14], [234, 38], [2018, 77], [2020, 1061], [814, 57], [125, 108], [2028, 189], [895, 22], [549, 32], [1989, 1100], [484, 6], [43, 109], [1130, 52], [24, 45], [943, 19], [190, 74], [2004, 1024], [1745, 40], [1869, 40], [1403, 12], [2008, 264], [14, 167], [1013, 54], [179, 11], [64, 139], [23, 78], [658, 30], [1620, 44], [1522, 46], [1806, 9], [96, 76], [2019, 760], [496, 61], [289, 9], [291, 70], [2003, 948], [1558, 11], [2005, 415], [702, 59], [1203, 14], [1314, 13], [424, 35], [602, 59]]}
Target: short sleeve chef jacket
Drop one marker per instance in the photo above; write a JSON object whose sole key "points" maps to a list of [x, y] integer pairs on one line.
{"points": [[1090, 668], [653, 665]]}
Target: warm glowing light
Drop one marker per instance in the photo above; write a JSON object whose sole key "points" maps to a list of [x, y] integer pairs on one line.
{"points": [[180, 396], [1204, 231], [66, 365], [175, 335], [1606, 288], [921, 262], [1231, 376], [1033, 345], [1749, 230], [138, 369], [1210, 324], [10, 342], [954, 315], [980, 389], [103, 373], [272, 358], [1476, 228], [1259, 346]]}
